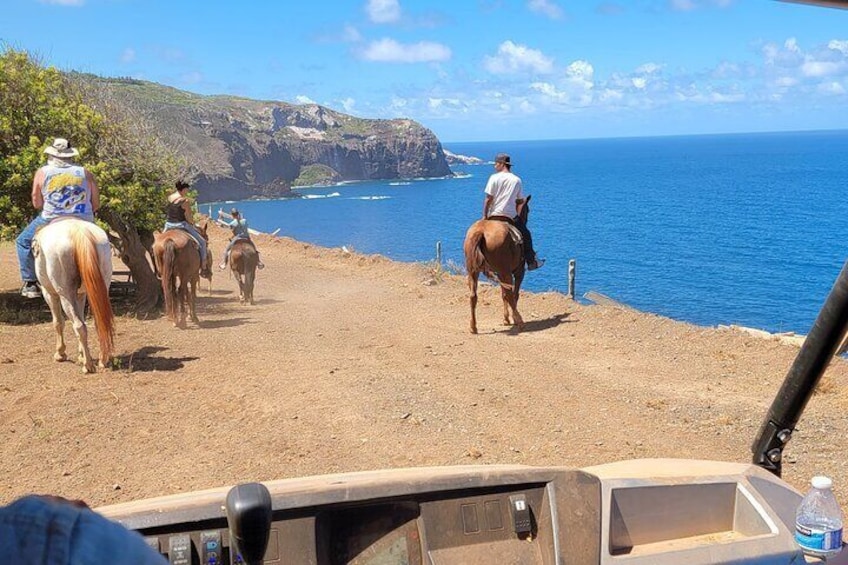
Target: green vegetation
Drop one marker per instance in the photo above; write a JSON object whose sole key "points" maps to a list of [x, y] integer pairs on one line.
{"points": [[316, 174], [38, 104]]}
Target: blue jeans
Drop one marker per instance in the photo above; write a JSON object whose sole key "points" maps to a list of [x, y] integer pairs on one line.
{"points": [[26, 261], [230, 246], [185, 226]]}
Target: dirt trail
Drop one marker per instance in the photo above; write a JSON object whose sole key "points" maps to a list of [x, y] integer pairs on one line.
{"points": [[352, 362]]}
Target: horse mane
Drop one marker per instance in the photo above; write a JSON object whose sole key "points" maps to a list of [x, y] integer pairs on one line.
{"points": [[88, 263]]}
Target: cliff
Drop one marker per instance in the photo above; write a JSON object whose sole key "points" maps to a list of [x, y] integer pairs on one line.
{"points": [[239, 148]]}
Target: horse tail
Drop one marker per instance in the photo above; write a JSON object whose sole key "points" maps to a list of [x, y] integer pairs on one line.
{"points": [[169, 278], [88, 264], [474, 243]]}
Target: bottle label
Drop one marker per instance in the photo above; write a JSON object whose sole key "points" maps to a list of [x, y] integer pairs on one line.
{"points": [[818, 539]]}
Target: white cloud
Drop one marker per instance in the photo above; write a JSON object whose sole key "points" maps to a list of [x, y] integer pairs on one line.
{"points": [[838, 45], [64, 2], [683, 5], [348, 104], [383, 11], [390, 51], [547, 89], [832, 88], [821, 68], [648, 69], [581, 74], [527, 107], [546, 7], [513, 57], [351, 34], [128, 55], [303, 99], [689, 5]]}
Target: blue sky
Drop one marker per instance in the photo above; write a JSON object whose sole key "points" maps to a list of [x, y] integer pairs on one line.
{"points": [[474, 70]]}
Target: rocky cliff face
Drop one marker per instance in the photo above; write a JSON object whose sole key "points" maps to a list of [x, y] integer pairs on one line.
{"points": [[239, 148]]}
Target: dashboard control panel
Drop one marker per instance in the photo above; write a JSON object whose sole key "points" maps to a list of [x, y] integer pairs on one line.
{"points": [[657, 512]]}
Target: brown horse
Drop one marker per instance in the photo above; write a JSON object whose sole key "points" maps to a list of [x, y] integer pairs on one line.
{"points": [[73, 260], [177, 256], [243, 261], [490, 249]]}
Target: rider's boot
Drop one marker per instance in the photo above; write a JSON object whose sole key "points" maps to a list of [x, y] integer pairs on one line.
{"points": [[205, 270]]}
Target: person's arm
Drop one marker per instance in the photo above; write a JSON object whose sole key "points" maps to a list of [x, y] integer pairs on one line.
{"points": [[37, 184], [188, 213], [222, 214], [519, 198], [487, 203], [95, 191]]}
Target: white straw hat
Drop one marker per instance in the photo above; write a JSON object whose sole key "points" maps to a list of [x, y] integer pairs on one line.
{"points": [[62, 149]]}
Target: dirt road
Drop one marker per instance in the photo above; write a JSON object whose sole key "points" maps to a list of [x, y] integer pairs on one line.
{"points": [[352, 362]]}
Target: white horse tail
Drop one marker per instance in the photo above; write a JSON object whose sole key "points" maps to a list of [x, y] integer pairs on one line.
{"points": [[88, 263]]}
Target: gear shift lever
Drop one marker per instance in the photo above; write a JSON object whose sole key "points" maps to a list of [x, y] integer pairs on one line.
{"points": [[249, 520]]}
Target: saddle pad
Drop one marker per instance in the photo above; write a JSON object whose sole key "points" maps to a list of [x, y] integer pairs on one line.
{"points": [[515, 233]]}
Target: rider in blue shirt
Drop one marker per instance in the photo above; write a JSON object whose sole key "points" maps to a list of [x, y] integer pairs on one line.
{"points": [[36, 530], [241, 231]]}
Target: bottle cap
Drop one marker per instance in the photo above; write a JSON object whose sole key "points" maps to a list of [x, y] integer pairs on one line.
{"points": [[821, 482]]}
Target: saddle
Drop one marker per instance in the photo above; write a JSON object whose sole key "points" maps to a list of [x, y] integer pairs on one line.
{"points": [[188, 233], [514, 232]]}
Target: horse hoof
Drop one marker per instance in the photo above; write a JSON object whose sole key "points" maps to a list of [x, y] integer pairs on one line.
{"points": [[88, 369], [59, 357], [474, 331]]}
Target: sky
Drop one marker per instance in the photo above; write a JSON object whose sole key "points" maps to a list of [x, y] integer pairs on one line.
{"points": [[474, 70]]}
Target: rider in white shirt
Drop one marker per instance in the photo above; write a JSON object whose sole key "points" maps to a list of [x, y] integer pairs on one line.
{"points": [[504, 199]]}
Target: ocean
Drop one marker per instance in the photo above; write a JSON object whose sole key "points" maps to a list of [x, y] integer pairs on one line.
{"points": [[745, 229]]}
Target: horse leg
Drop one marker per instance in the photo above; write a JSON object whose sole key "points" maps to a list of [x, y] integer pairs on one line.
{"points": [[192, 299], [472, 286], [509, 294], [182, 299], [76, 311], [507, 285], [506, 298], [519, 278], [58, 323], [249, 281], [240, 280]]}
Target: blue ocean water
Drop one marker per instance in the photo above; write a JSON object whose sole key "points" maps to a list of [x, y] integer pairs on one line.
{"points": [[745, 229]]}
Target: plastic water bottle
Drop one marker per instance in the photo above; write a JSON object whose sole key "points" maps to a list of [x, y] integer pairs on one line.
{"points": [[818, 521]]}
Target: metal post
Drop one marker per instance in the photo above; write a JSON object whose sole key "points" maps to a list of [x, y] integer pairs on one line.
{"points": [[572, 267], [801, 380], [439, 253]]}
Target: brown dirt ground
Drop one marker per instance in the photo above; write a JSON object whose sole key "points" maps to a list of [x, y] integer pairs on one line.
{"points": [[351, 362]]}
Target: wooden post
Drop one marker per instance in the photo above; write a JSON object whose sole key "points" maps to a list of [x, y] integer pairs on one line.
{"points": [[439, 253], [572, 267]]}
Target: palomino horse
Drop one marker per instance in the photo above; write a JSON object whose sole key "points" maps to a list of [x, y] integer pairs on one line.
{"points": [[177, 256], [490, 249], [243, 261], [73, 259]]}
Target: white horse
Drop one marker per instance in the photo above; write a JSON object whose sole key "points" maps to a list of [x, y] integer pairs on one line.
{"points": [[73, 259]]}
